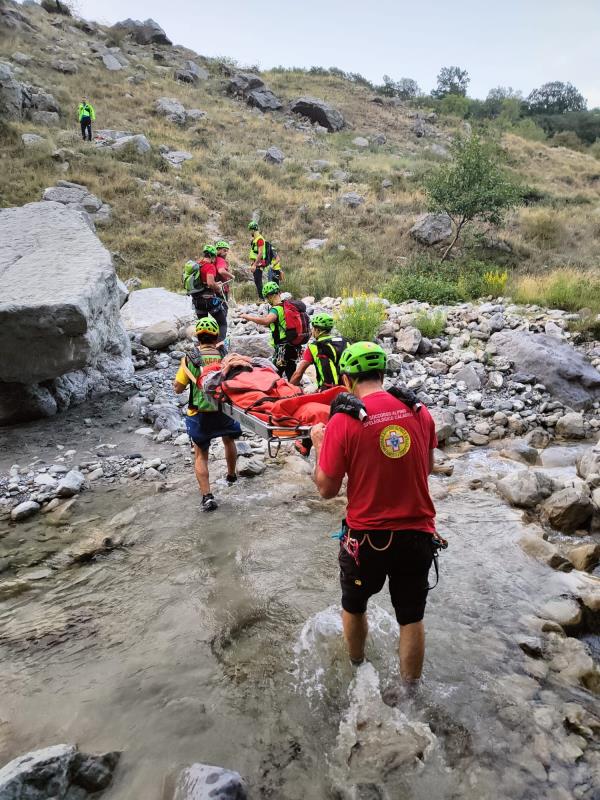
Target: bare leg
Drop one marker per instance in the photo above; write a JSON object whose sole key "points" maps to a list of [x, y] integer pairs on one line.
{"points": [[201, 469], [230, 454], [356, 628], [412, 651]]}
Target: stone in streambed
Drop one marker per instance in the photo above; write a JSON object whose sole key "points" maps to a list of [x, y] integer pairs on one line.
{"points": [[24, 510], [205, 782]]}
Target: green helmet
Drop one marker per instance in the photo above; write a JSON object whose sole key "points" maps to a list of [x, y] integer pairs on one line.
{"points": [[324, 321], [253, 226], [209, 250], [270, 288], [207, 325], [362, 357], [222, 245]]}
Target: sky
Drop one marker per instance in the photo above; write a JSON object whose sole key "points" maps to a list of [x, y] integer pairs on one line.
{"points": [[518, 43]]}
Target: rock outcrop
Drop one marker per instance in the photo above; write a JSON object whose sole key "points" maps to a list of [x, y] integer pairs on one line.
{"points": [[147, 32], [320, 112], [76, 196], [21, 101], [62, 339], [557, 365]]}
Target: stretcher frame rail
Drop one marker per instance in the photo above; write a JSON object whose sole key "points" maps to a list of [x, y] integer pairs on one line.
{"points": [[274, 434]]}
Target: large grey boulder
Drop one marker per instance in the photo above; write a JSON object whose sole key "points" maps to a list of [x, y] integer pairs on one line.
{"points": [[78, 197], [59, 772], [319, 111], [137, 141], [148, 307], [264, 99], [111, 62], [571, 426], [526, 488], [562, 369], [69, 318], [21, 101], [147, 32], [567, 510], [172, 109], [431, 228], [255, 345], [160, 335], [274, 156], [445, 424], [204, 782]]}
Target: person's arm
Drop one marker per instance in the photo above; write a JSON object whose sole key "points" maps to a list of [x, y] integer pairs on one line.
{"points": [[181, 381], [327, 486], [178, 388], [300, 370], [267, 320]]}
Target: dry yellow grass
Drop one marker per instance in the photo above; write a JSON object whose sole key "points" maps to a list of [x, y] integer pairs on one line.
{"points": [[216, 193]]}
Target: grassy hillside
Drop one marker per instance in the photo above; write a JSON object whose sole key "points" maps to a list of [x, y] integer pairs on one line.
{"points": [[216, 193]]}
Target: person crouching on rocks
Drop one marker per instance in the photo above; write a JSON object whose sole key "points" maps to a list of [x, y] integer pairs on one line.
{"points": [[204, 422]]}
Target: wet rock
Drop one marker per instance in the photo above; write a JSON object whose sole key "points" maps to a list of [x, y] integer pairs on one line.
{"points": [[59, 772], [519, 451], [538, 438], [567, 510], [565, 611], [432, 228], [24, 510], [585, 556], [160, 335], [204, 782], [526, 488], [318, 111], [562, 369], [571, 426], [376, 742], [537, 547], [252, 467]]}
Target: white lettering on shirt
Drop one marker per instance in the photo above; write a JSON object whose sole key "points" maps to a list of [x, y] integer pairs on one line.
{"points": [[387, 416]]}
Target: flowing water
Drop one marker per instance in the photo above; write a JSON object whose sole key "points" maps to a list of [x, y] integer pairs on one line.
{"points": [[217, 638]]}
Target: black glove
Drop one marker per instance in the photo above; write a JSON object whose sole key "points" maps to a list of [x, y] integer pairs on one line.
{"points": [[406, 396], [347, 403]]}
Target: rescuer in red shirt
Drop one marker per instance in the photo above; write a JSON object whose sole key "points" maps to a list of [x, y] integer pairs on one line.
{"points": [[385, 446]]}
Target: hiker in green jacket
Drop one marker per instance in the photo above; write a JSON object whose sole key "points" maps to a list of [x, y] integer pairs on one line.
{"points": [[86, 115]]}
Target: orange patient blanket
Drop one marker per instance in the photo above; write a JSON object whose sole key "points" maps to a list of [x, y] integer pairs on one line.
{"points": [[262, 393]]}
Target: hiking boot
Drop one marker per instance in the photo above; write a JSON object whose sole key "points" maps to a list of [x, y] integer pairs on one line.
{"points": [[209, 503], [231, 479]]}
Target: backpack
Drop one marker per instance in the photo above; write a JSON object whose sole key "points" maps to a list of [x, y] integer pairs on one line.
{"points": [[297, 322], [192, 282], [328, 353], [270, 253]]}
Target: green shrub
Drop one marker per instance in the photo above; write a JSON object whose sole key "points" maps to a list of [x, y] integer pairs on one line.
{"points": [[431, 324], [568, 289], [438, 283], [360, 318]]}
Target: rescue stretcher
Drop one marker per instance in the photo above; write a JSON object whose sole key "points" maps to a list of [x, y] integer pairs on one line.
{"points": [[274, 434]]}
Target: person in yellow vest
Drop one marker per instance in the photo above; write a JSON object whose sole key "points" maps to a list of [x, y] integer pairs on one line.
{"points": [[86, 115], [275, 272], [204, 422], [257, 257]]}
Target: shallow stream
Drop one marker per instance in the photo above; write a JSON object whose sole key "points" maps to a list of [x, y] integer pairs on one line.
{"points": [[216, 638]]}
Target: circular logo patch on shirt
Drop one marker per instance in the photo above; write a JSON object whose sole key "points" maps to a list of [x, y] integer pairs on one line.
{"points": [[394, 441]]}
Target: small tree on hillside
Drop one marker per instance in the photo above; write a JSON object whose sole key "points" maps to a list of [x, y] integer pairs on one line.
{"points": [[555, 98], [473, 186], [405, 88], [451, 80]]}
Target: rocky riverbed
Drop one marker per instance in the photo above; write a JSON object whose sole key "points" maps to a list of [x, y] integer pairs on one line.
{"points": [[146, 628]]}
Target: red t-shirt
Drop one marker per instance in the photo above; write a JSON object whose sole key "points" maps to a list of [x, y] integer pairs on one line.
{"points": [[221, 265], [386, 459], [307, 356], [206, 269]]}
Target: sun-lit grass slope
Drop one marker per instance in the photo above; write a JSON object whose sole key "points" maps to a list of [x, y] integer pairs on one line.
{"points": [[215, 194]]}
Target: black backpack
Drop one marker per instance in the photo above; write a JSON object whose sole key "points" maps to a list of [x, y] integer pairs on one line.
{"points": [[270, 253]]}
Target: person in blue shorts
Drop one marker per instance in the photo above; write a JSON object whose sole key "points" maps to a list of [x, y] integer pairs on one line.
{"points": [[204, 421]]}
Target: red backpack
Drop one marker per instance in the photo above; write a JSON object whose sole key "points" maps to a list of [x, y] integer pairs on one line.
{"points": [[297, 322]]}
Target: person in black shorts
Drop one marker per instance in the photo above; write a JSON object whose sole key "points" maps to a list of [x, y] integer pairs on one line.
{"points": [[384, 445]]}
